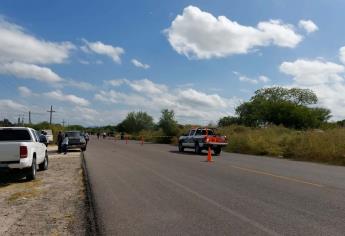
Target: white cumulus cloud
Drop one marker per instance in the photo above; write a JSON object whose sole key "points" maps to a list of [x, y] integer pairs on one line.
{"points": [[342, 54], [311, 72], [18, 45], [308, 26], [140, 64], [103, 49], [260, 79], [60, 96], [188, 104], [264, 79], [25, 92], [8, 104], [324, 78], [147, 86], [200, 35], [29, 71]]}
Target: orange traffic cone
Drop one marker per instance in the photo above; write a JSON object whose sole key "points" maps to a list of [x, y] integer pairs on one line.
{"points": [[209, 155]]}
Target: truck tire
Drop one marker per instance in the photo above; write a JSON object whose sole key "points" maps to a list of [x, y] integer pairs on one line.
{"points": [[44, 164], [31, 171], [217, 151], [180, 147], [197, 148]]}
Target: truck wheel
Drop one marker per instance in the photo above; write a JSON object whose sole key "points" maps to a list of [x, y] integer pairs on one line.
{"points": [[180, 147], [44, 164], [217, 151], [31, 172], [197, 148]]}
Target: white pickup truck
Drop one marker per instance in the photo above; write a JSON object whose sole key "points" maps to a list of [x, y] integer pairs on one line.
{"points": [[23, 148]]}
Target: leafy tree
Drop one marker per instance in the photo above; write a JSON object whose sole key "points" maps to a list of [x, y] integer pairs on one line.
{"points": [[5, 123], [229, 120], [136, 122], [281, 106], [168, 124]]}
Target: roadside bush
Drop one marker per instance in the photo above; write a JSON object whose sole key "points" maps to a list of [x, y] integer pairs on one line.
{"points": [[327, 146], [258, 141], [319, 146]]}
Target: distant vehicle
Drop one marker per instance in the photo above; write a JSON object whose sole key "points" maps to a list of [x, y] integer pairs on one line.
{"points": [[200, 139], [49, 135], [76, 140], [23, 148]]}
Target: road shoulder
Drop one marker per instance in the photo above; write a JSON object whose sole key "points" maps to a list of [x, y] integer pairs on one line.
{"points": [[53, 204]]}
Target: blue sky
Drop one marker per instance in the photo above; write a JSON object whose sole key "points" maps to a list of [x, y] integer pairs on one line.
{"points": [[95, 61]]}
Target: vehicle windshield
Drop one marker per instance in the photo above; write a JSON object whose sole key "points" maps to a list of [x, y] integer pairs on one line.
{"points": [[14, 135], [73, 134]]}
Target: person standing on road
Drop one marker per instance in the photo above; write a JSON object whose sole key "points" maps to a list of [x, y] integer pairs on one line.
{"points": [[87, 137], [59, 141], [98, 135], [65, 144]]}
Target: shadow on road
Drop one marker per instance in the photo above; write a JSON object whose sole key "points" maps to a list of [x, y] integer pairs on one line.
{"points": [[189, 153], [8, 177]]}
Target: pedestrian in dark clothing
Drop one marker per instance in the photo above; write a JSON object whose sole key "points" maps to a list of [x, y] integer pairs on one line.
{"points": [[65, 144], [59, 141], [98, 135]]}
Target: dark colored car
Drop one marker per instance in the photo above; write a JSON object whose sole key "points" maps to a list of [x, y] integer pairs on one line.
{"points": [[76, 140]]}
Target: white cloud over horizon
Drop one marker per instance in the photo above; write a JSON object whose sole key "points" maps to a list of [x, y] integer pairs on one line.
{"points": [[325, 78], [187, 103], [198, 34], [71, 98]]}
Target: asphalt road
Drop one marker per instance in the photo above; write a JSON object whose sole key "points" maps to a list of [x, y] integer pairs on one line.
{"points": [[154, 190]]}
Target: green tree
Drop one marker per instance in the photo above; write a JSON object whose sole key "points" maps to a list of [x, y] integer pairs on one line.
{"points": [[136, 122], [5, 123], [281, 106], [229, 120], [168, 124]]}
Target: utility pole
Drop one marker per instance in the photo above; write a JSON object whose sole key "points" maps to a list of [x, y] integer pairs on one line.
{"points": [[63, 123], [51, 114], [30, 117]]}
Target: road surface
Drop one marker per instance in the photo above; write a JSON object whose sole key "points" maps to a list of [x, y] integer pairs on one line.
{"points": [[154, 190]]}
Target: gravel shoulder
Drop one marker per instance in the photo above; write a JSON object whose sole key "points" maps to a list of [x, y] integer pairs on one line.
{"points": [[53, 204]]}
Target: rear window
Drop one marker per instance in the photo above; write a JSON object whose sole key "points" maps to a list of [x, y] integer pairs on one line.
{"points": [[48, 131], [73, 134], [14, 135], [203, 132]]}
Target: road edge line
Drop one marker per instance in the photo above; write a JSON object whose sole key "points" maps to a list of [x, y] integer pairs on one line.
{"points": [[91, 215]]}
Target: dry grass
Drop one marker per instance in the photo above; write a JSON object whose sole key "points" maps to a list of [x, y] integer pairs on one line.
{"points": [[327, 146], [25, 190]]}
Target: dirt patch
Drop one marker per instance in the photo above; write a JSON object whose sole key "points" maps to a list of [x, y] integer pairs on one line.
{"points": [[53, 204]]}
